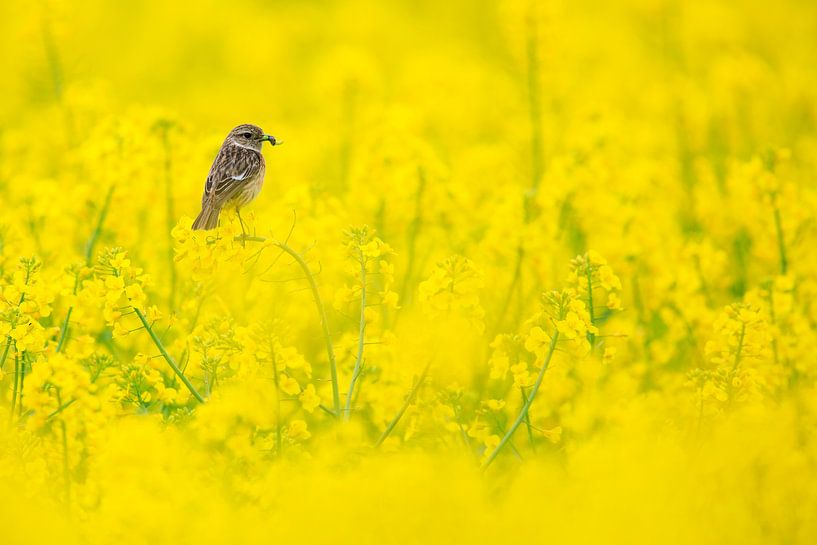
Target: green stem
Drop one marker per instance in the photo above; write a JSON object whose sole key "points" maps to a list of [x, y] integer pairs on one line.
{"points": [[527, 421], [590, 336], [537, 162], [361, 335], [170, 215], [66, 466], [327, 336], [278, 436], [534, 110], [316, 295], [61, 408], [103, 213], [14, 390], [409, 400], [736, 363], [64, 328], [506, 302], [501, 429], [167, 357], [740, 347], [781, 244], [5, 353], [463, 433], [9, 340], [89, 254], [524, 411], [775, 352], [22, 384], [54, 64], [413, 232]]}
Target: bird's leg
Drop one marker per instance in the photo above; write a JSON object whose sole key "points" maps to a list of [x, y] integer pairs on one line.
{"points": [[243, 231]]}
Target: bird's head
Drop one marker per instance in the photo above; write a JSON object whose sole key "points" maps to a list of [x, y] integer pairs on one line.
{"points": [[251, 137]]}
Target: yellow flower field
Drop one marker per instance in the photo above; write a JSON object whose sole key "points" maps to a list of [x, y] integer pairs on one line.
{"points": [[523, 272]]}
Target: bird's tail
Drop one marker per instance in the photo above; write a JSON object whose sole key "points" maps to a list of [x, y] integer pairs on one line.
{"points": [[208, 217]]}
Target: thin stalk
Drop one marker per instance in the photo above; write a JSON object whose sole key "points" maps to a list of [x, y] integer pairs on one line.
{"points": [[22, 384], [739, 352], [278, 437], [66, 466], [170, 215], [501, 429], [524, 411], [60, 409], [464, 434], [534, 110], [14, 390], [64, 328], [5, 353], [361, 335], [9, 340], [409, 400], [167, 356], [103, 213], [590, 336], [527, 420], [54, 64], [350, 91], [736, 362], [316, 295], [781, 244], [774, 323], [517, 273], [89, 254], [57, 76], [537, 161], [413, 232], [704, 287]]}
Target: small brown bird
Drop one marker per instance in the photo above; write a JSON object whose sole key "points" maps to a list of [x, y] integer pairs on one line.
{"points": [[237, 174]]}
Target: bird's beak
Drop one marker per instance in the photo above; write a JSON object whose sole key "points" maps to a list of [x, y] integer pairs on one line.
{"points": [[271, 139]]}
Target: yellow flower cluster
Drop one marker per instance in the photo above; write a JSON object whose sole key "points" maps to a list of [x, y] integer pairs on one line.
{"points": [[453, 288], [25, 300]]}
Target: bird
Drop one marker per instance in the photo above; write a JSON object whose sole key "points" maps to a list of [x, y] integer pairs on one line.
{"points": [[236, 176]]}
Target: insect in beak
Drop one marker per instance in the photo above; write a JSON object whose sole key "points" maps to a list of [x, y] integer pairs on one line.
{"points": [[271, 139]]}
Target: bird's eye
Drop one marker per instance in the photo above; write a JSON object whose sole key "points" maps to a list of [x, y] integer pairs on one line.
{"points": [[247, 135]]}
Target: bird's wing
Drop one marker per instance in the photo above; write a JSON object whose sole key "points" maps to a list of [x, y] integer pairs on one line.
{"points": [[232, 168]]}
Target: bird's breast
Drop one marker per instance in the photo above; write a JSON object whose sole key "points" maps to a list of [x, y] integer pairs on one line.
{"points": [[252, 187]]}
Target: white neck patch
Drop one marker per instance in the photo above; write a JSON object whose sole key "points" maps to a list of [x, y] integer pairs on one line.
{"points": [[233, 142]]}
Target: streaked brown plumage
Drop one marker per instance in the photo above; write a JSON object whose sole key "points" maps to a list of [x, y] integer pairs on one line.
{"points": [[237, 174]]}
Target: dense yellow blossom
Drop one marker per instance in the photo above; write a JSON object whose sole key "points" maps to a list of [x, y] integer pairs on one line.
{"points": [[524, 271]]}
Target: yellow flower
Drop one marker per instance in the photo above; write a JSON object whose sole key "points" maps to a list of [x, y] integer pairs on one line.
{"points": [[491, 442], [135, 295], [114, 284], [595, 258], [609, 281], [119, 330], [288, 385], [495, 404], [297, 430], [499, 365], [537, 341], [309, 398]]}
